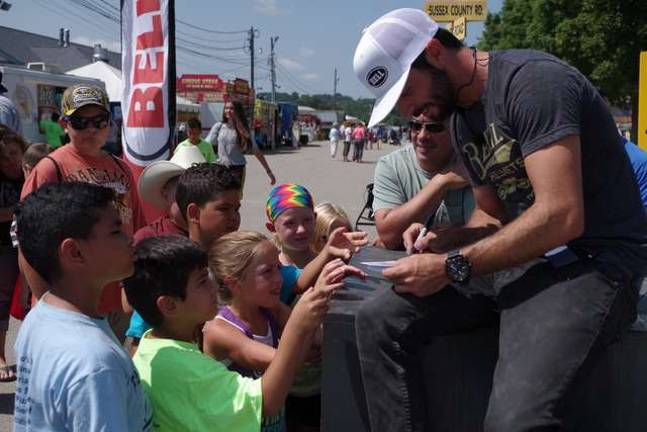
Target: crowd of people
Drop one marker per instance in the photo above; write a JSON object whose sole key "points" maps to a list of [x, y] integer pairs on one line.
{"points": [[189, 321], [190, 296]]}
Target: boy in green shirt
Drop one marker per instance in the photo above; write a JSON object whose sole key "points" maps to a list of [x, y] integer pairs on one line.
{"points": [[194, 133], [53, 131], [172, 290]]}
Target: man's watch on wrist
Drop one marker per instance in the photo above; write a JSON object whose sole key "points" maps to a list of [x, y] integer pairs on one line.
{"points": [[457, 267]]}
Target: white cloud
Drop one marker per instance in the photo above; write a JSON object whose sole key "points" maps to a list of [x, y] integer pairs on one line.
{"points": [[114, 46], [310, 76], [306, 52], [291, 65], [267, 7]]}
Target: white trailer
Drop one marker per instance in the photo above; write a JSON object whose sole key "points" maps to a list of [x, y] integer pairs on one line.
{"points": [[37, 94]]}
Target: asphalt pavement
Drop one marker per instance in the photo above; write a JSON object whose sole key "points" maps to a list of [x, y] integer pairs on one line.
{"points": [[327, 179]]}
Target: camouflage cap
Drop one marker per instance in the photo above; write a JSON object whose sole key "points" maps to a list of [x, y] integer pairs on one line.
{"points": [[81, 95]]}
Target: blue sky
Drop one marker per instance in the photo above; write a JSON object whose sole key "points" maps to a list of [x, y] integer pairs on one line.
{"points": [[314, 36]]}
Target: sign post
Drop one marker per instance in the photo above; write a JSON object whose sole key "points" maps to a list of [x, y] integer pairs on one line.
{"points": [[451, 10], [456, 13], [642, 102]]}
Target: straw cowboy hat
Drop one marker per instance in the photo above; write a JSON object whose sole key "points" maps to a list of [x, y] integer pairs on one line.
{"points": [[153, 179]]}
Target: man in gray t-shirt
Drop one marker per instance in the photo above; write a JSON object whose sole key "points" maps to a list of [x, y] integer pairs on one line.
{"points": [[419, 181], [558, 223]]}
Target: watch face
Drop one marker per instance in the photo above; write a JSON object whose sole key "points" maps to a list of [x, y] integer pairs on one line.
{"points": [[458, 269]]}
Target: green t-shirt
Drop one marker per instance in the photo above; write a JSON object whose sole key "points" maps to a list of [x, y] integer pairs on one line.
{"points": [[398, 178], [205, 147], [193, 392], [53, 132]]}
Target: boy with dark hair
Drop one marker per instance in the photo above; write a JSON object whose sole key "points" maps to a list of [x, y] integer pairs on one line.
{"points": [[189, 390], [194, 134], [208, 196], [72, 373]]}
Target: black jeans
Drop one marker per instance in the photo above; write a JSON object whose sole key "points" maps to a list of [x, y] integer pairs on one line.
{"points": [[550, 320], [346, 149], [358, 150]]}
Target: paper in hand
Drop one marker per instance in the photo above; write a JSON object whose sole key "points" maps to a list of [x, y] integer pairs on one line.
{"points": [[384, 264]]}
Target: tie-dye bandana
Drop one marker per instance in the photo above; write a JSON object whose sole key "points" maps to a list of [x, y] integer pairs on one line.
{"points": [[287, 196]]}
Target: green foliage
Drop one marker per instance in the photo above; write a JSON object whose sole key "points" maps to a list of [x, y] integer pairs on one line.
{"points": [[360, 108], [601, 38]]}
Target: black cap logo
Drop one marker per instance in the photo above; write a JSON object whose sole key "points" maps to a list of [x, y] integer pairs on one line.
{"points": [[377, 76]]}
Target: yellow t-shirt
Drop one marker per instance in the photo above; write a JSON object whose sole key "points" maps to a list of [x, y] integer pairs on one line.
{"points": [[192, 392]]}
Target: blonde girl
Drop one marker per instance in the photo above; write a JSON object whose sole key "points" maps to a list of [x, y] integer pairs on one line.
{"points": [[329, 217]]}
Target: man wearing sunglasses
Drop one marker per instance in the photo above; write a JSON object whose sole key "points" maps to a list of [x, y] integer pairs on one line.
{"points": [[86, 118], [547, 167], [422, 180]]}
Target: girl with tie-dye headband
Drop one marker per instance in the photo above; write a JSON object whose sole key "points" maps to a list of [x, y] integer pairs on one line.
{"points": [[291, 217]]}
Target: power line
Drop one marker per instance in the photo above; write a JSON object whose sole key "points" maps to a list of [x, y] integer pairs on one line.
{"points": [[209, 39], [209, 47], [193, 26], [295, 80]]}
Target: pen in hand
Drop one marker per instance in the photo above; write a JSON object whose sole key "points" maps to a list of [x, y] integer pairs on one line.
{"points": [[423, 233]]}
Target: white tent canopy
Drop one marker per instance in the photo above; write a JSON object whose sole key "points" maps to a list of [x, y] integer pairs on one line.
{"points": [[110, 75]]}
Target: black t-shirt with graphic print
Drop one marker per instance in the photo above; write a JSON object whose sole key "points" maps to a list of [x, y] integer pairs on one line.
{"points": [[531, 100]]}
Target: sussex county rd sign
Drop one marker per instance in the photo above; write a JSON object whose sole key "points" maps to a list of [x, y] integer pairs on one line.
{"points": [[451, 10]]}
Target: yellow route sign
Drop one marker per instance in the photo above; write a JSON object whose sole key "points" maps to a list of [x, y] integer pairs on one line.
{"points": [[451, 10], [459, 28], [642, 102]]}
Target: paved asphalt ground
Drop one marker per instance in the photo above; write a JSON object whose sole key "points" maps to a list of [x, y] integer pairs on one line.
{"points": [[327, 179]]}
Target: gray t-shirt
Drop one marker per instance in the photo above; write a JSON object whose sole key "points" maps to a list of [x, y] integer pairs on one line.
{"points": [[74, 376], [531, 100], [398, 178], [225, 138]]}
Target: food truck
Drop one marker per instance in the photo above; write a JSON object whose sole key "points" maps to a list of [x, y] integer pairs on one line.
{"points": [[37, 94]]}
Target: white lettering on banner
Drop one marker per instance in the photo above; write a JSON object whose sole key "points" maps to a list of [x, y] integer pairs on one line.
{"points": [[145, 91]]}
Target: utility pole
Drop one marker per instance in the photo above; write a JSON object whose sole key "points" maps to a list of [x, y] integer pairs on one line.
{"points": [[334, 92], [273, 41], [251, 56]]}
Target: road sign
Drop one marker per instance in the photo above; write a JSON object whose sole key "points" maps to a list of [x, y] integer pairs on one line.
{"points": [[642, 102], [451, 10], [459, 28]]}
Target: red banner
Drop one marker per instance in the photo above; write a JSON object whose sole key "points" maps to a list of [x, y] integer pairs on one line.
{"points": [[148, 79], [199, 83]]}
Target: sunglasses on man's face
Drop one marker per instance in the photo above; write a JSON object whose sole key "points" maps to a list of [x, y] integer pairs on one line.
{"points": [[98, 121], [430, 127]]}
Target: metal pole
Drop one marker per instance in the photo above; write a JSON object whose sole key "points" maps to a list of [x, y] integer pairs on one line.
{"points": [[334, 92]]}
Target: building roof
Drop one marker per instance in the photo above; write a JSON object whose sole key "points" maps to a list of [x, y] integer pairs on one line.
{"points": [[19, 47]]}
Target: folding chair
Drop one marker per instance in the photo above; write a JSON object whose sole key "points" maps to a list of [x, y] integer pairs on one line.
{"points": [[366, 216]]}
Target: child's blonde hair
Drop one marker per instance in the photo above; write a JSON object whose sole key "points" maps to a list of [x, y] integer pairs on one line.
{"points": [[229, 257], [327, 214]]}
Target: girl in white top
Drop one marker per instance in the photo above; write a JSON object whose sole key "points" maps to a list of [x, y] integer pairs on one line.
{"points": [[232, 138]]}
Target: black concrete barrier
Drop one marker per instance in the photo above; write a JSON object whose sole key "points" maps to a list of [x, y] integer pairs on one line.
{"points": [[610, 395]]}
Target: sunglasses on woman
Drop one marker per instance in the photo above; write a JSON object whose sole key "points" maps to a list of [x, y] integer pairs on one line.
{"points": [[430, 127], [98, 121]]}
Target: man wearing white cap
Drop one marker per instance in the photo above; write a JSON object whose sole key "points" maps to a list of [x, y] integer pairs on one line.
{"points": [[559, 227]]}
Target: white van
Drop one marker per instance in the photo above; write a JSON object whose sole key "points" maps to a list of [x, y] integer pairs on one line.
{"points": [[37, 93]]}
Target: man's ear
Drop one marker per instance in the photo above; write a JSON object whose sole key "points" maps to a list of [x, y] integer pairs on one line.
{"points": [[270, 227], [166, 305], [70, 252], [434, 52], [193, 213]]}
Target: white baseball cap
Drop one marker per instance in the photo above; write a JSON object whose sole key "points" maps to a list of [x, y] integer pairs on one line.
{"points": [[385, 52], [153, 179]]}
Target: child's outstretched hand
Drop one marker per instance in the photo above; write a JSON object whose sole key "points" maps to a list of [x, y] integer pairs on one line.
{"points": [[311, 308], [343, 244], [334, 273]]}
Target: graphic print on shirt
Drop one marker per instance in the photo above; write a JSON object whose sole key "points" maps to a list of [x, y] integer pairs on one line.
{"points": [[498, 161], [117, 181]]}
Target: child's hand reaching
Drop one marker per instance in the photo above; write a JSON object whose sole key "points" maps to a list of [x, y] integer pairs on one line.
{"points": [[343, 244], [311, 308], [334, 273]]}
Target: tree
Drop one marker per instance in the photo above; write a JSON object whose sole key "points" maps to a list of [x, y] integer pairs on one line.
{"points": [[601, 38]]}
